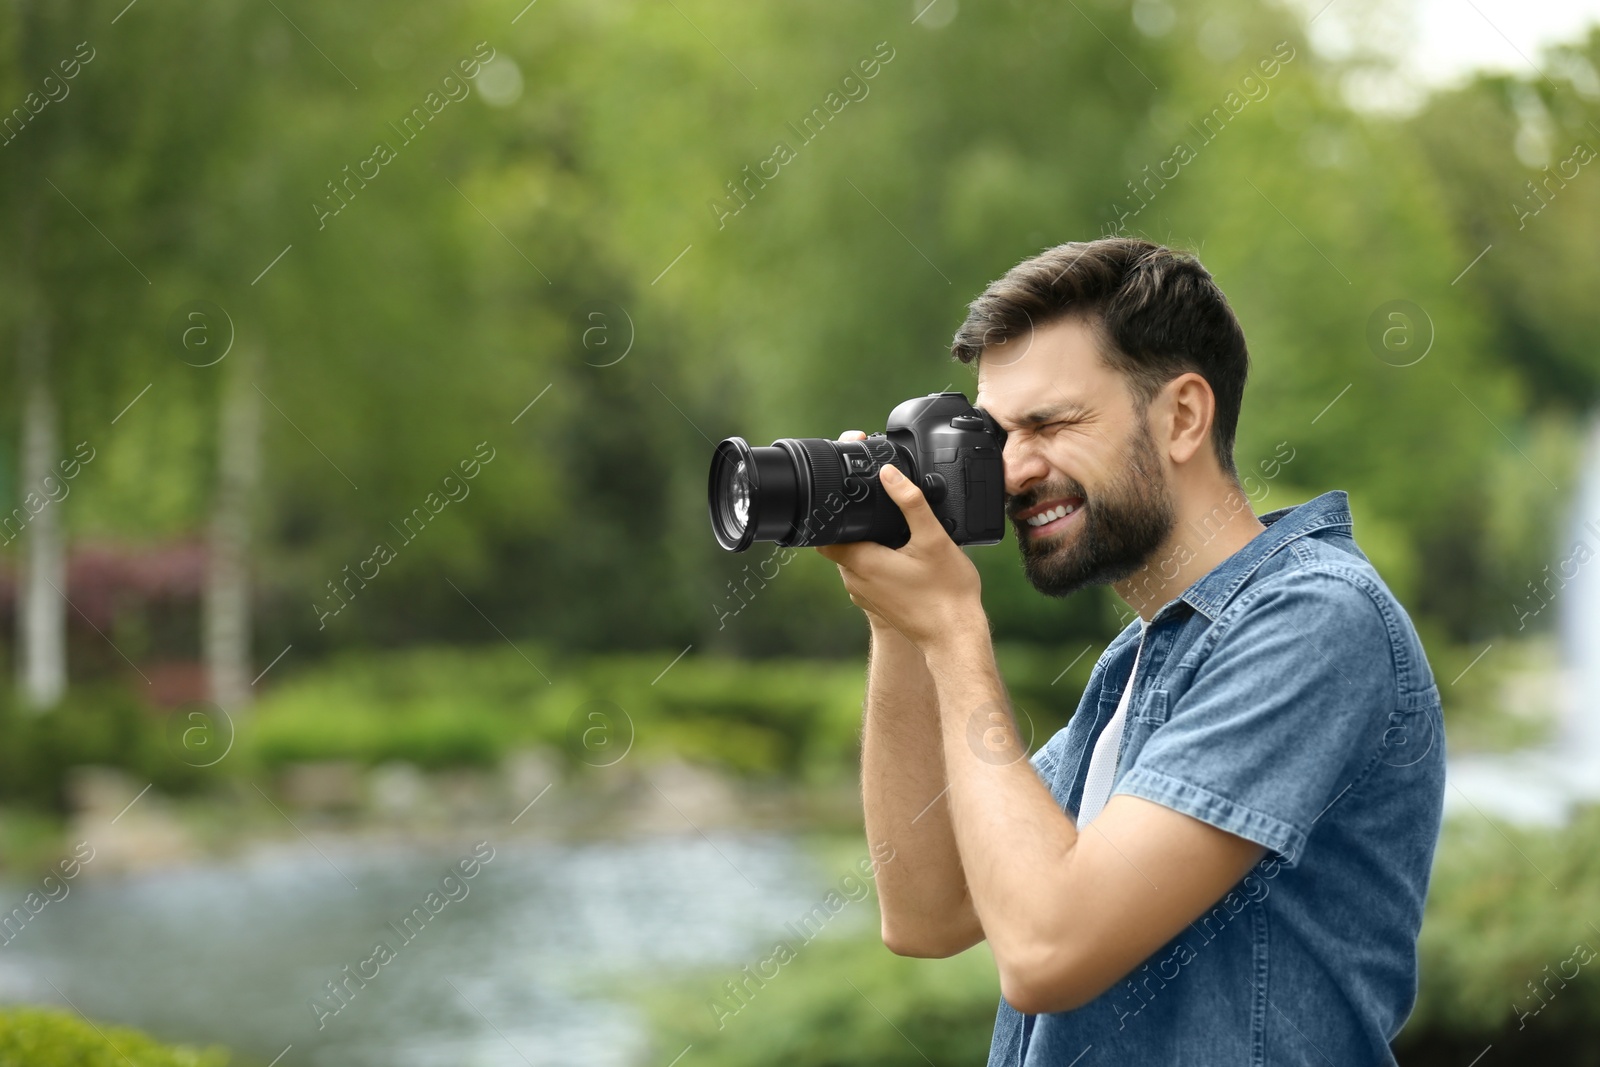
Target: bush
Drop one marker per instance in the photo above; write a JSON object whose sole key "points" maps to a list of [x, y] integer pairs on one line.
{"points": [[445, 707], [844, 1003], [37, 1037], [105, 726], [1507, 908]]}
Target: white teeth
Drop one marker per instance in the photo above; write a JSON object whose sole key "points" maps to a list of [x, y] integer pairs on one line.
{"points": [[1057, 512]]}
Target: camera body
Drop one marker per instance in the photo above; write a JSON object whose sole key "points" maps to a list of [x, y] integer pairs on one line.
{"points": [[812, 491], [955, 451]]}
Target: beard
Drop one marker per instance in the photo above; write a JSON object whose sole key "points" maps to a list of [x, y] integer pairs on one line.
{"points": [[1120, 526]]}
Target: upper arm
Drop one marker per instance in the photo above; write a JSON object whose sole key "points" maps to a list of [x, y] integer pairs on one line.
{"points": [[1138, 874]]}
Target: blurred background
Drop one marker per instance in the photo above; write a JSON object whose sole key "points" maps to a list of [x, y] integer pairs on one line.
{"points": [[363, 366]]}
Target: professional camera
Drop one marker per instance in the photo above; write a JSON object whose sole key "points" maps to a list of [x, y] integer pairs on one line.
{"points": [[811, 491]]}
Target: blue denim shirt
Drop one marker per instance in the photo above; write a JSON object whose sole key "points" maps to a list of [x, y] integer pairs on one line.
{"points": [[1285, 698]]}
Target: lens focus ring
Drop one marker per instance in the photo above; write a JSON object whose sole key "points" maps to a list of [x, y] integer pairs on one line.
{"points": [[825, 468], [824, 500]]}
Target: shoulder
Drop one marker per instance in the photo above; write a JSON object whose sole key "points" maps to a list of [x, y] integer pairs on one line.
{"points": [[1330, 603], [1323, 583]]}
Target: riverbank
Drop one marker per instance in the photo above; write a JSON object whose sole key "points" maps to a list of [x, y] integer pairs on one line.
{"points": [[533, 796]]}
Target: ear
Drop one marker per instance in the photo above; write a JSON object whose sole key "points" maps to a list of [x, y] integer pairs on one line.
{"points": [[1190, 406]]}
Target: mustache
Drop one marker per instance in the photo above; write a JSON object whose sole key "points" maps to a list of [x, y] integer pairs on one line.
{"points": [[1040, 493]]}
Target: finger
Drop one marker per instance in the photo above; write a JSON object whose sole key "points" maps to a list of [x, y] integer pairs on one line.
{"points": [[853, 435], [913, 505]]}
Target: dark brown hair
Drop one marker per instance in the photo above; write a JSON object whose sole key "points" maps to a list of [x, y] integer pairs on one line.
{"points": [[1156, 312]]}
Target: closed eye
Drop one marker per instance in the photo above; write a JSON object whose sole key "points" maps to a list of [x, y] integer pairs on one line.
{"points": [[1044, 427], [1059, 425]]}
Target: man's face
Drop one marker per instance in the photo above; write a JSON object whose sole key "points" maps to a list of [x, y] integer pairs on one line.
{"points": [[1085, 486]]}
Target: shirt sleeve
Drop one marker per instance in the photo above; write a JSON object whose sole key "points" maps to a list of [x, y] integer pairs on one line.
{"points": [[1288, 707], [1044, 761]]}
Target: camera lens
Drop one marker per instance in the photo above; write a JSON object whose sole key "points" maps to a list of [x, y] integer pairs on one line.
{"points": [[752, 494], [739, 495], [804, 491]]}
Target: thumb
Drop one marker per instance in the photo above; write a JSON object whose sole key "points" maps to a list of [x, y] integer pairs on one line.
{"points": [[913, 505]]}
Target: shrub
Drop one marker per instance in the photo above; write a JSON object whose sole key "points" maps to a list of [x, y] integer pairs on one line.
{"points": [[104, 726], [39, 1037], [838, 1003], [1507, 908], [445, 707]]}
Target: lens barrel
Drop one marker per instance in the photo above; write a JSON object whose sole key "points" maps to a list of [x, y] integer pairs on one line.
{"points": [[752, 493], [805, 491]]}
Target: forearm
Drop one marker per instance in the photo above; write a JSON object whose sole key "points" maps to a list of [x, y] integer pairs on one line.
{"points": [[1013, 839], [922, 891]]}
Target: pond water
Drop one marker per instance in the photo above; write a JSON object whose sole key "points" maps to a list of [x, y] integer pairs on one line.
{"points": [[524, 968]]}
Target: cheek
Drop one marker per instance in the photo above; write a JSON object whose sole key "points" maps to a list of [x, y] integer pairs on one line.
{"points": [[1092, 462]]}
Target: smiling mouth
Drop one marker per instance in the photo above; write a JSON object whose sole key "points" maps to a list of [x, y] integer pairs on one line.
{"points": [[1050, 517]]}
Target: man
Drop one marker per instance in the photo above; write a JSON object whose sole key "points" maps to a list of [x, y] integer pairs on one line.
{"points": [[1222, 859]]}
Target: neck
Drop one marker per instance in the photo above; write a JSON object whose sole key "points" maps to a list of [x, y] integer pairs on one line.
{"points": [[1211, 525]]}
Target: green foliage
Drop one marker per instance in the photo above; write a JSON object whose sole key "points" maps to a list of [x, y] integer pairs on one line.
{"points": [[440, 300], [105, 726], [35, 1037], [1491, 141], [837, 1003], [1500, 699], [1506, 904], [443, 706], [30, 840]]}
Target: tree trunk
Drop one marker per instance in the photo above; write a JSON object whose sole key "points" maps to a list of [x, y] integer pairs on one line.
{"points": [[41, 619], [227, 592], [42, 584]]}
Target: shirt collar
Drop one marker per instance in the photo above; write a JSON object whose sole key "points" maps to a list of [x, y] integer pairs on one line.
{"points": [[1211, 594]]}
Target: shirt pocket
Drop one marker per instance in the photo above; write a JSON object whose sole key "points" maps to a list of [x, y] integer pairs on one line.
{"points": [[1146, 715]]}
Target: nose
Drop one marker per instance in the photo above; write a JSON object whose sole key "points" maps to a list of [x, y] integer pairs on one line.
{"points": [[1024, 463]]}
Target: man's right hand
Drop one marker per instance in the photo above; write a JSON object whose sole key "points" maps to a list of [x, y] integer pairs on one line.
{"points": [[879, 624]]}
